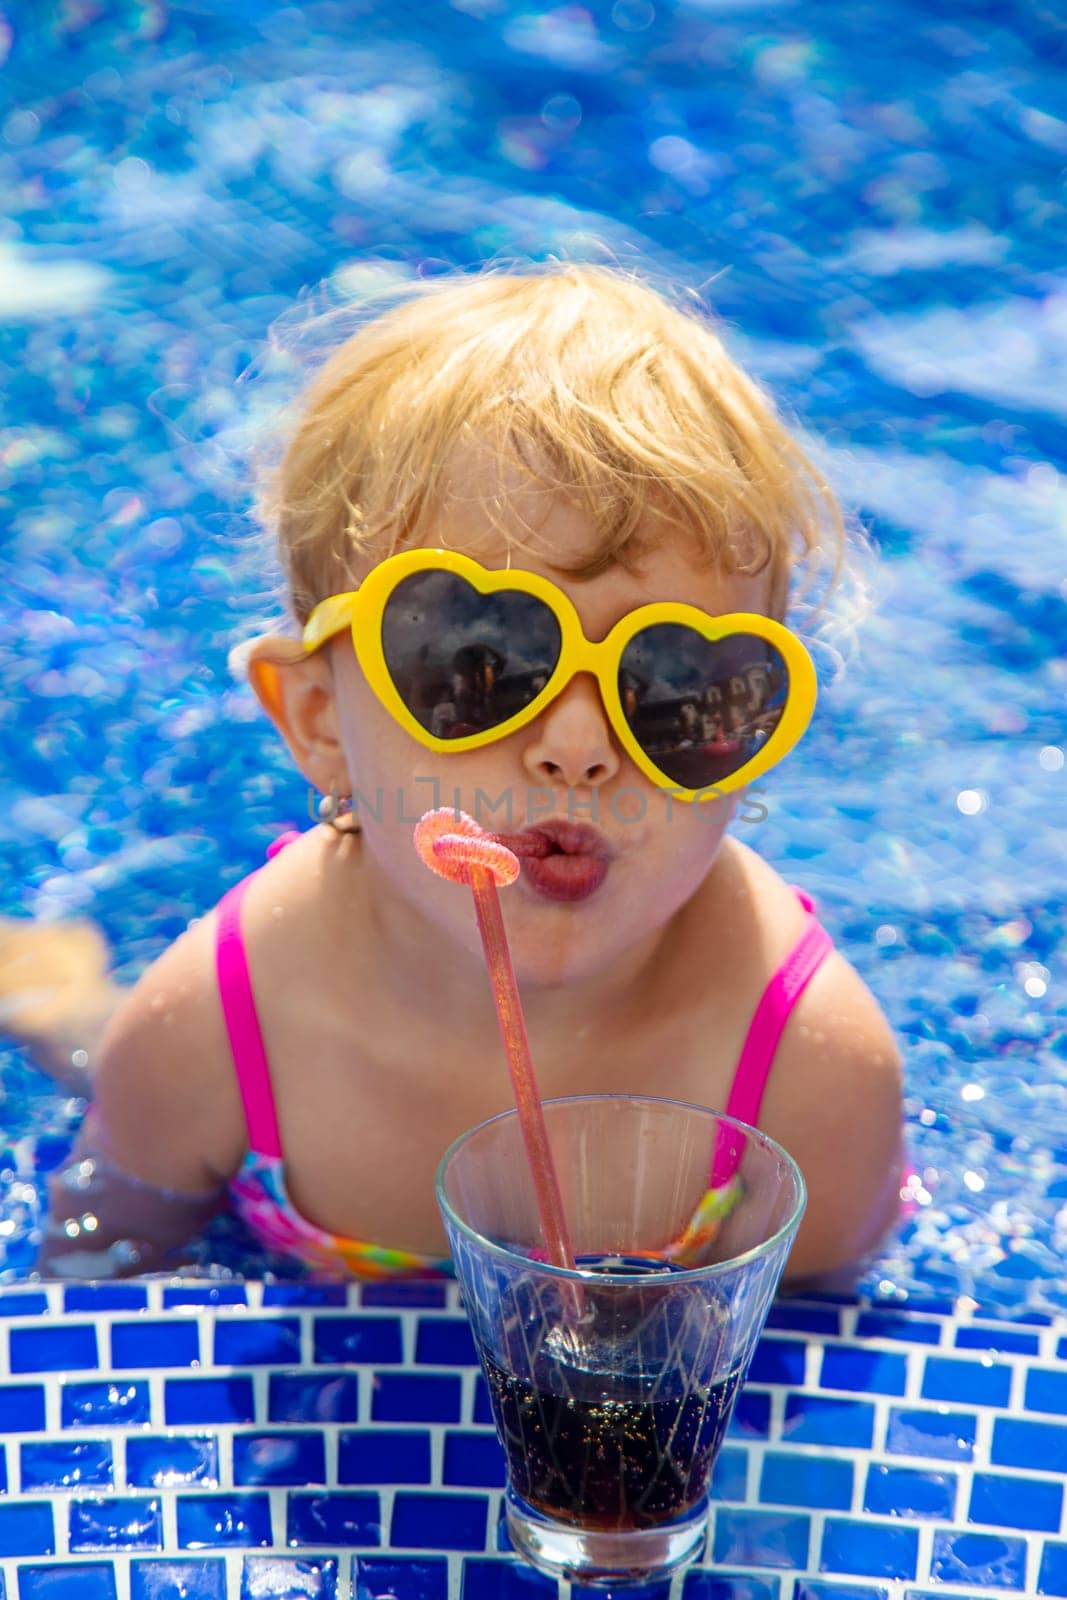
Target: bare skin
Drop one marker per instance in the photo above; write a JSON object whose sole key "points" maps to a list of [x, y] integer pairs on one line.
{"points": [[378, 1024], [349, 1069]]}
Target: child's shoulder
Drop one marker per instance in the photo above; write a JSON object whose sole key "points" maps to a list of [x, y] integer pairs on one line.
{"points": [[164, 1082], [166, 1104]]}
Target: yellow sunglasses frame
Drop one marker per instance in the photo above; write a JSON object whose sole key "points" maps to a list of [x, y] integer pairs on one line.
{"points": [[361, 610]]}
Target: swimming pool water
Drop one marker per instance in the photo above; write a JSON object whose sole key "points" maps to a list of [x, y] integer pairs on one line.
{"points": [[875, 204]]}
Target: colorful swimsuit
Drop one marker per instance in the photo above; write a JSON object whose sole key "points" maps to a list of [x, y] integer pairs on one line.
{"points": [[258, 1192]]}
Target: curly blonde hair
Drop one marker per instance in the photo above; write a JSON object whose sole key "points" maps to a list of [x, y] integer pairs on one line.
{"points": [[627, 397]]}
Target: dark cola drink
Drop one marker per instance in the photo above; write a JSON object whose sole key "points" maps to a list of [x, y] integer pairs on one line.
{"points": [[616, 1425], [610, 1464]]}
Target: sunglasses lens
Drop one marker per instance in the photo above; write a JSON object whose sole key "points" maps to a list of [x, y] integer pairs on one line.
{"points": [[701, 708], [464, 662]]}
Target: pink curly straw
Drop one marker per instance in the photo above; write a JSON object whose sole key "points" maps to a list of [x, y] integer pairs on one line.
{"points": [[456, 847]]}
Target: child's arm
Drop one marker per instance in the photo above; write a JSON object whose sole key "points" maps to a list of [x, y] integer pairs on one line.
{"points": [[165, 1130], [834, 1100], [103, 1223]]}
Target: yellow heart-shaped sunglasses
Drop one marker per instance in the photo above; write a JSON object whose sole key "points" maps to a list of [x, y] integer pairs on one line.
{"points": [[461, 655]]}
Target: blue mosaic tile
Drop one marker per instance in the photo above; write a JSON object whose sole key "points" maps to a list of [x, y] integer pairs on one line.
{"points": [[813, 1481], [3, 1475], [257, 1341], [313, 1397], [871, 1549], [366, 1339], [334, 1519], [812, 1589], [289, 1578], [207, 1400], [1052, 1576], [31, 1304], [1016, 1502], [868, 1371], [86, 1580], [186, 1579], [1061, 1349], [66, 1464], [105, 1405], [932, 1305], [729, 1475], [215, 1294], [1018, 1443], [778, 1361], [305, 1294], [821, 1320], [70, 1347], [384, 1455], [473, 1461], [967, 1382], [172, 1461], [1007, 1340], [816, 1419], [21, 1407], [910, 1492], [891, 1325], [979, 1559], [761, 1538], [291, 1457], [438, 1521], [395, 1452], [702, 1585], [426, 1294], [416, 1397], [1046, 1390], [751, 1416], [1039, 1319], [175, 1343], [26, 1529], [489, 1579], [104, 1297], [120, 1523], [399, 1578], [944, 1436], [223, 1521], [445, 1342]]}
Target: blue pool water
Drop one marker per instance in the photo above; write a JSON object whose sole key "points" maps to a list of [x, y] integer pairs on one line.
{"points": [[871, 196]]}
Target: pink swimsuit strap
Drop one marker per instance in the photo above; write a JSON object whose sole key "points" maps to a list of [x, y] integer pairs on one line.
{"points": [[784, 988], [242, 1023]]}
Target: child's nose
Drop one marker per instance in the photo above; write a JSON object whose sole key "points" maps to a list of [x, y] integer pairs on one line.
{"points": [[571, 741]]}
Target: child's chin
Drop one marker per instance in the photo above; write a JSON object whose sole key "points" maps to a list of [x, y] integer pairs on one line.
{"points": [[542, 962]]}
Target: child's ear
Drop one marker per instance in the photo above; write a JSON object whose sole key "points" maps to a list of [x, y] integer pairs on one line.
{"points": [[296, 691]]}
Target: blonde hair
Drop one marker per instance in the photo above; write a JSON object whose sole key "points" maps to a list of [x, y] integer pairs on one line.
{"points": [[629, 400]]}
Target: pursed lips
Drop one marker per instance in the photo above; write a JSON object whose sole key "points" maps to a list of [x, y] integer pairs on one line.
{"points": [[561, 861], [556, 836]]}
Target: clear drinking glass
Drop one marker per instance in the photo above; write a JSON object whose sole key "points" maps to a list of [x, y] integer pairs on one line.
{"points": [[612, 1386]]}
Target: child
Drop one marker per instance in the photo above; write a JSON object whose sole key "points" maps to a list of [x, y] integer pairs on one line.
{"points": [[310, 1048]]}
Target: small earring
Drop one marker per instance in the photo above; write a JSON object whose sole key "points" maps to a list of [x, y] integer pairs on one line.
{"points": [[331, 806]]}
